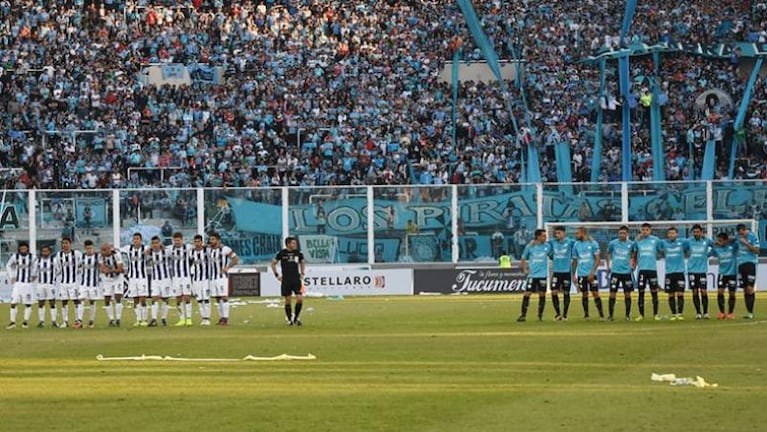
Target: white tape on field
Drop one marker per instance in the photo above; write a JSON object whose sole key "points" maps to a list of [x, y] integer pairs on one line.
{"points": [[144, 357]]}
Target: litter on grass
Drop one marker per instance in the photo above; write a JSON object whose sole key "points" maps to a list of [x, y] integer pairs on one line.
{"points": [[249, 357], [673, 380]]}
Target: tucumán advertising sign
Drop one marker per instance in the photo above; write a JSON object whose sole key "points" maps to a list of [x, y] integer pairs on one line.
{"points": [[469, 281]]}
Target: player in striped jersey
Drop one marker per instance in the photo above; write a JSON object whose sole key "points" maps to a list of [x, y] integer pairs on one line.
{"points": [[138, 277], [160, 280], [67, 265], [181, 284], [111, 266], [46, 286], [22, 272], [201, 278], [89, 284], [222, 259]]}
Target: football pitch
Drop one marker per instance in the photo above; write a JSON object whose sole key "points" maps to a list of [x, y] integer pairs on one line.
{"points": [[452, 363]]}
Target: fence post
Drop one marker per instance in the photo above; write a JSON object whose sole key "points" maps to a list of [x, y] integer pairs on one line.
{"points": [[455, 213], [539, 205], [285, 213], [201, 211], [371, 226], [31, 198], [116, 218], [624, 202], [710, 207]]}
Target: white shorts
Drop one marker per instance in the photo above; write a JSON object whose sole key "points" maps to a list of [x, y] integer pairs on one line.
{"points": [[201, 290], [181, 286], [91, 293], [46, 292], [219, 288], [23, 293], [113, 287], [138, 288], [161, 288], [68, 292]]}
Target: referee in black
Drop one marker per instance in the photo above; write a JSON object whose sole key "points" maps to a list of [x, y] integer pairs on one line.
{"points": [[293, 269]]}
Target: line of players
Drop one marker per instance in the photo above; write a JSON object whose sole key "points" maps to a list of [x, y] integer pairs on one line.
{"points": [[136, 271], [576, 261]]}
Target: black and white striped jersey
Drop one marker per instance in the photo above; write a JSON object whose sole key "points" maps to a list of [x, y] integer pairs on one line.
{"points": [[200, 264], [180, 258], [23, 268], [159, 260], [219, 258], [137, 261], [90, 274], [68, 265], [46, 274], [111, 262]]}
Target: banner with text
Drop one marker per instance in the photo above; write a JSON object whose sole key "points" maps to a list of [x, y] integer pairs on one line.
{"points": [[469, 281], [347, 281]]}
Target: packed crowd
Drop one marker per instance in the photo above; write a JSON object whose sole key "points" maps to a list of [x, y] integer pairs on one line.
{"points": [[336, 92]]}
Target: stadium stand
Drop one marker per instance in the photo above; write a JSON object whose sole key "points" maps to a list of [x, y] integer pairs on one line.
{"points": [[346, 93]]}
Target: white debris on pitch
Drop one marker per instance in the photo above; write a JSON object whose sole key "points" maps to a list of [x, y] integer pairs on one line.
{"points": [[144, 357], [673, 380]]}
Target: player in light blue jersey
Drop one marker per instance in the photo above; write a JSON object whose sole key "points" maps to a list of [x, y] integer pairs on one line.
{"points": [[646, 250], [698, 248], [586, 259], [748, 258], [621, 264], [726, 252], [561, 260], [535, 265], [674, 250]]}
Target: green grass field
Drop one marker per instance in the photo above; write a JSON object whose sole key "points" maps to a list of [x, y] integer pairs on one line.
{"points": [[390, 364]]}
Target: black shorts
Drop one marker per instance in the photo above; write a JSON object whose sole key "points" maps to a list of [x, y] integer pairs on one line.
{"points": [[648, 278], [584, 284], [698, 281], [674, 283], [621, 280], [561, 282], [730, 282], [747, 273], [289, 288], [536, 285]]}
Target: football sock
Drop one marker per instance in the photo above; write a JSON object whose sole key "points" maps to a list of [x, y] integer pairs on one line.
{"points": [[289, 312], [696, 301], [541, 304], [79, 310], [731, 303], [611, 306], [299, 306], [680, 304], [155, 308], [585, 304], [567, 304], [704, 301], [672, 303], [14, 312], [27, 312], [206, 307], [525, 304], [225, 309], [598, 302], [220, 308], [749, 302], [555, 302], [93, 312], [627, 302], [640, 302], [654, 295], [110, 312], [188, 310], [65, 312], [720, 302], [41, 313], [137, 311], [164, 312], [118, 310], [54, 313]]}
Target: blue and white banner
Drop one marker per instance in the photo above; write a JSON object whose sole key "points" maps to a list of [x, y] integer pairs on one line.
{"points": [[201, 72], [173, 71]]}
